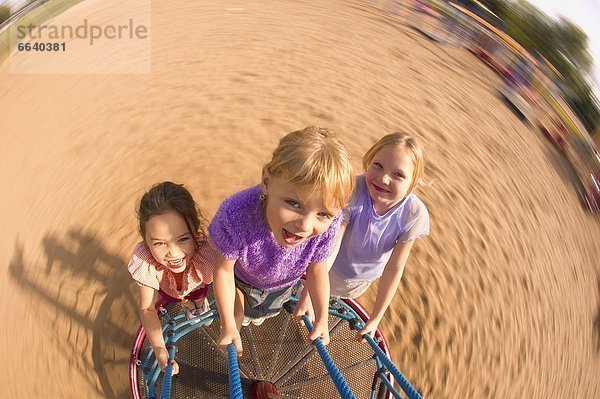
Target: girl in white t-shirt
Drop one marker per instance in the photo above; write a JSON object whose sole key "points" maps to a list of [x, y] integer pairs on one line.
{"points": [[382, 222]]}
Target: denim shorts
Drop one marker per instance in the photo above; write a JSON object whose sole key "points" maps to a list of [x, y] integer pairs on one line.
{"points": [[262, 303]]}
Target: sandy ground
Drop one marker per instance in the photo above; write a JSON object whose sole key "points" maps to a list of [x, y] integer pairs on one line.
{"points": [[502, 301]]}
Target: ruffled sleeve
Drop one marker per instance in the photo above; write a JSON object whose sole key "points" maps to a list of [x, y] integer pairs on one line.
{"points": [[203, 261], [417, 221], [142, 267]]}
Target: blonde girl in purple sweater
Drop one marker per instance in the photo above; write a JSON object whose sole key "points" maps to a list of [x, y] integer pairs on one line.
{"points": [[269, 235]]}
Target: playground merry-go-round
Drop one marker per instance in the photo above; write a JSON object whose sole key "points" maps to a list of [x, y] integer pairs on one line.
{"points": [[276, 362]]}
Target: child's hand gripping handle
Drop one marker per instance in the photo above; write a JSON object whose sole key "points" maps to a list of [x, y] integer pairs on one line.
{"points": [[230, 336]]}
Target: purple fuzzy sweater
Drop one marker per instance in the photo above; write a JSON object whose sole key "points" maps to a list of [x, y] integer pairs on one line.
{"points": [[239, 232]]}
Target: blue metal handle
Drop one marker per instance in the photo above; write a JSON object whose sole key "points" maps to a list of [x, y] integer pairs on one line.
{"points": [[166, 385], [334, 372], [235, 383], [402, 381]]}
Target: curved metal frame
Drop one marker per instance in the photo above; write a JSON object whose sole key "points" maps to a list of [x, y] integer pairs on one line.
{"points": [[385, 386]]}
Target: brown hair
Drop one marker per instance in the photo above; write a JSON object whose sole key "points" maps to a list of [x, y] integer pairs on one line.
{"points": [[315, 158], [165, 197], [413, 147]]}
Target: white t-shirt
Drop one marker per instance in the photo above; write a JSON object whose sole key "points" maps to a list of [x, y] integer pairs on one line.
{"points": [[370, 239]]}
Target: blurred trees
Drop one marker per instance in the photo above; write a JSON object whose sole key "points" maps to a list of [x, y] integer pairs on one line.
{"points": [[561, 42]]}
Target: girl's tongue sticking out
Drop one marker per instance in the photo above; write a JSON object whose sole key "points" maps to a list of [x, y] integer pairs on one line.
{"points": [[291, 238]]}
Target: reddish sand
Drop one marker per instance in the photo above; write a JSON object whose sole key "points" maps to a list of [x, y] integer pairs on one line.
{"points": [[501, 301]]}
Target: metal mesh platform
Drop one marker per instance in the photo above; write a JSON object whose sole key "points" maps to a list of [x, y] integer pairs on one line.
{"points": [[274, 351]]}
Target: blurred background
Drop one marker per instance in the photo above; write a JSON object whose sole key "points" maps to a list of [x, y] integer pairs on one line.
{"points": [[503, 298]]}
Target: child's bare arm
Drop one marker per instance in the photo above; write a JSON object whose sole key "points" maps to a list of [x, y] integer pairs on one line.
{"points": [[338, 243], [304, 305], [153, 328], [317, 283], [224, 289], [388, 285]]}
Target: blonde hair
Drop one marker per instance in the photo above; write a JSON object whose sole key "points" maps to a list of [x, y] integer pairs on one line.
{"points": [[315, 158], [413, 147]]}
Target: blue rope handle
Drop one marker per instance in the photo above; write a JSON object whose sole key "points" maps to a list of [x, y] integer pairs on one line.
{"points": [[334, 372], [402, 381], [166, 385], [235, 383]]}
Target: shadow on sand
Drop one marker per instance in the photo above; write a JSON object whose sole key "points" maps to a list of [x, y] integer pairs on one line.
{"points": [[94, 314]]}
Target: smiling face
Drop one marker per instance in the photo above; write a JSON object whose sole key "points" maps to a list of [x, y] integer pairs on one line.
{"points": [[294, 214], [170, 241], [389, 177]]}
